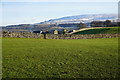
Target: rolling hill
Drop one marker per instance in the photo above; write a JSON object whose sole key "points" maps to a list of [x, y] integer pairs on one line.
{"points": [[58, 23], [104, 30], [81, 18]]}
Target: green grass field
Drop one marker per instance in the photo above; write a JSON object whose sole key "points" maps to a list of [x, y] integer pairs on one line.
{"points": [[38, 58], [107, 30]]}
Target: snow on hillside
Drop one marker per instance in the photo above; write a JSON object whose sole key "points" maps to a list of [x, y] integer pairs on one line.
{"points": [[81, 18]]}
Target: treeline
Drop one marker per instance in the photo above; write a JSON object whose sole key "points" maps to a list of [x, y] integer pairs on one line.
{"points": [[106, 23]]}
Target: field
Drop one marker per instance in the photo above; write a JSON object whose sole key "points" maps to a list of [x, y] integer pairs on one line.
{"points": [[38, 58], [107, 30]]}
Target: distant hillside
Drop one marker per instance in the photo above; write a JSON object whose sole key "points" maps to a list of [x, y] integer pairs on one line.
{"points": [[81, 18], [109, 30], [69, 22]]}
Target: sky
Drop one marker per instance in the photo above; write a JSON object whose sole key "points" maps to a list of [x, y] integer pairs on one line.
{"points": [[35, 11], [60, 0]]}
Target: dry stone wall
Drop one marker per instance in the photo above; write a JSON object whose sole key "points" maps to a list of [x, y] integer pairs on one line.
{"points": [[57, 36], [86, 36]]}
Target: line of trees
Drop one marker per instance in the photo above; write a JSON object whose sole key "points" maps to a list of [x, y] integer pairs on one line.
{"points": [[106, 23]]}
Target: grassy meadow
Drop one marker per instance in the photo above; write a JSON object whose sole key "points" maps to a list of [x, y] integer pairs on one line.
{"points": [[105, 30], [39, 58]]}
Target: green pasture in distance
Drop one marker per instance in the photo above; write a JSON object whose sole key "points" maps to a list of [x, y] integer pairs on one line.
{"points": [[107, 30], [39, 58]]}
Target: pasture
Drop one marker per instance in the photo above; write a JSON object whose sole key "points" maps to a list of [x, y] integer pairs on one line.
{"points": [[104, 30], [39, 58]]}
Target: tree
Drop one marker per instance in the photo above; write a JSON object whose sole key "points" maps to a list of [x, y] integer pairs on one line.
{"points": [[108, 23], [97, 24], [81, 25]]}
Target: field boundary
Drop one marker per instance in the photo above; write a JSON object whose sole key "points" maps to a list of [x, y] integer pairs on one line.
{"points": [[58, 36]]}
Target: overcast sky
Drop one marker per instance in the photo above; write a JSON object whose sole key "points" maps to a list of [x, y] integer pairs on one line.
{"points": [[60, 0], [33, 12]]}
